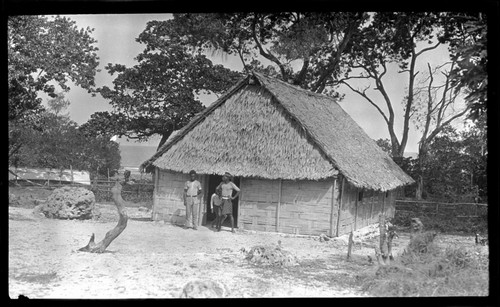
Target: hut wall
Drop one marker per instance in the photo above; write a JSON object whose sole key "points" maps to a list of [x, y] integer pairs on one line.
{"points": [[258, 204], [347, 208], [168, 201], [357, 213], [305, 207]]}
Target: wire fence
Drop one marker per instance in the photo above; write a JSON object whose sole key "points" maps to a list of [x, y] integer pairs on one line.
{"points": [[462, 217], [135, 192]]}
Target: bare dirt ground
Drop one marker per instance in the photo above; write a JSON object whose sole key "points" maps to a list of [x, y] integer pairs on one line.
{"points": [[156, 260]]}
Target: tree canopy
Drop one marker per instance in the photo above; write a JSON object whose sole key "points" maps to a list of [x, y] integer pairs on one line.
{"points": [[159, 94], [42, 53], [57, 142]]}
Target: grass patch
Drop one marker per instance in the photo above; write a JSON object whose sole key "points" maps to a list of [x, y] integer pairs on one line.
{"points": [[427, 270]]}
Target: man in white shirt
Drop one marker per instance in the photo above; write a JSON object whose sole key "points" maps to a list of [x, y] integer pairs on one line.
{"points": [[192, 189]]}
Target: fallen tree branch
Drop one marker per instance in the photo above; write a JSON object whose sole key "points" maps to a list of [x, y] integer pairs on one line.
{"points": [[100, 247]]}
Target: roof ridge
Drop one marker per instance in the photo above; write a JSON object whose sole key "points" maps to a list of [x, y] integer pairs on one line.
{"points": [[296, 87]]}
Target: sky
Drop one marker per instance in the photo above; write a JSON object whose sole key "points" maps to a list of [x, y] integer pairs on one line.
{"points": [[116, 34]]}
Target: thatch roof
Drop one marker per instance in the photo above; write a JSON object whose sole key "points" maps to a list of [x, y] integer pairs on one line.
{"points": [[275, 130]]}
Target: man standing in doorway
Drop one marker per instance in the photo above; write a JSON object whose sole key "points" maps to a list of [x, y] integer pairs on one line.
{"points": [[227, 188], [192, 189]]}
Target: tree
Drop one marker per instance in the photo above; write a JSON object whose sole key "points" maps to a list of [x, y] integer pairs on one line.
{"points": [[466, 34], [391, 38], [43, 52], [158, 95], [435, 107], [315, 42], [456, 166], [57, 142]]}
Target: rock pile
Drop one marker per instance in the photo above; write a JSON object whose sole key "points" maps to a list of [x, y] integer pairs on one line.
{"points": [[69, 203], [204, 289], [270, 255]]}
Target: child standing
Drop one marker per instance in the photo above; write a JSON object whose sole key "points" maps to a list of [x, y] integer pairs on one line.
{"points": [[216, 203]]}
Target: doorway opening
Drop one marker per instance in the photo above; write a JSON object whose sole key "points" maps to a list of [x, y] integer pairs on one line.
{"points": [[213, 182]]}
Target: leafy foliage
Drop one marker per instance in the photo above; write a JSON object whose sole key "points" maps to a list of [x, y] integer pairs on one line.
{"points": [[57, 142], [158, 95], [43, 52], [315, 41], [456, 166], [385, 145], [467, 37]]}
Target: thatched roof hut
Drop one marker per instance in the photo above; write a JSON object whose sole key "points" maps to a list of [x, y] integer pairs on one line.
{"points": [[303, 165], [278, 131]]}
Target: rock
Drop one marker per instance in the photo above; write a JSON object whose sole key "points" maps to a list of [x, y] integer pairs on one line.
{"points": [[270, 255], [204, 289], [70, 203]]}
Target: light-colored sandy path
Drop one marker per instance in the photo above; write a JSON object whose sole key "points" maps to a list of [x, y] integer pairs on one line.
{"points": [[155, 260]]}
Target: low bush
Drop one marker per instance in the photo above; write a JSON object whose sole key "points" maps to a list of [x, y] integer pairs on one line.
{"points": [[426, 270]]}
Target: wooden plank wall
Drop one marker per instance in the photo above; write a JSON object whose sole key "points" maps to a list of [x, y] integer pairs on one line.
{"points": [[306, 207], [258, 203], [348, 208], [356, 214], [167, 198]]}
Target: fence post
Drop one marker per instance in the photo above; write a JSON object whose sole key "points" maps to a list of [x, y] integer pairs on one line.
{"points": [[108, 174], [437, 208], [72, 178]]}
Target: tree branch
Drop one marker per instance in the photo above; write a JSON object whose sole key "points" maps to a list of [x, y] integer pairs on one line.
{"points": [[334, 62], [427, 49], [363, 94], [263, 52]]}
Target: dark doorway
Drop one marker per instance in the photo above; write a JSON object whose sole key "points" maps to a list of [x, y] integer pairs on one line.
{"points": [[213, 182]]}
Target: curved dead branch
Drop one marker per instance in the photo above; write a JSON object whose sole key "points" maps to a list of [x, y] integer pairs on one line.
{"points": [[100, 247]]}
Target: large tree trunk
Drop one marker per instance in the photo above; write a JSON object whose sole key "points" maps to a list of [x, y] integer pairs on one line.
{"points": [[115, 232]]}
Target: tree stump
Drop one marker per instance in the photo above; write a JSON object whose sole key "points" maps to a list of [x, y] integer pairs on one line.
{"points": [[100, 247], [383, 252], [349, 245]]}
